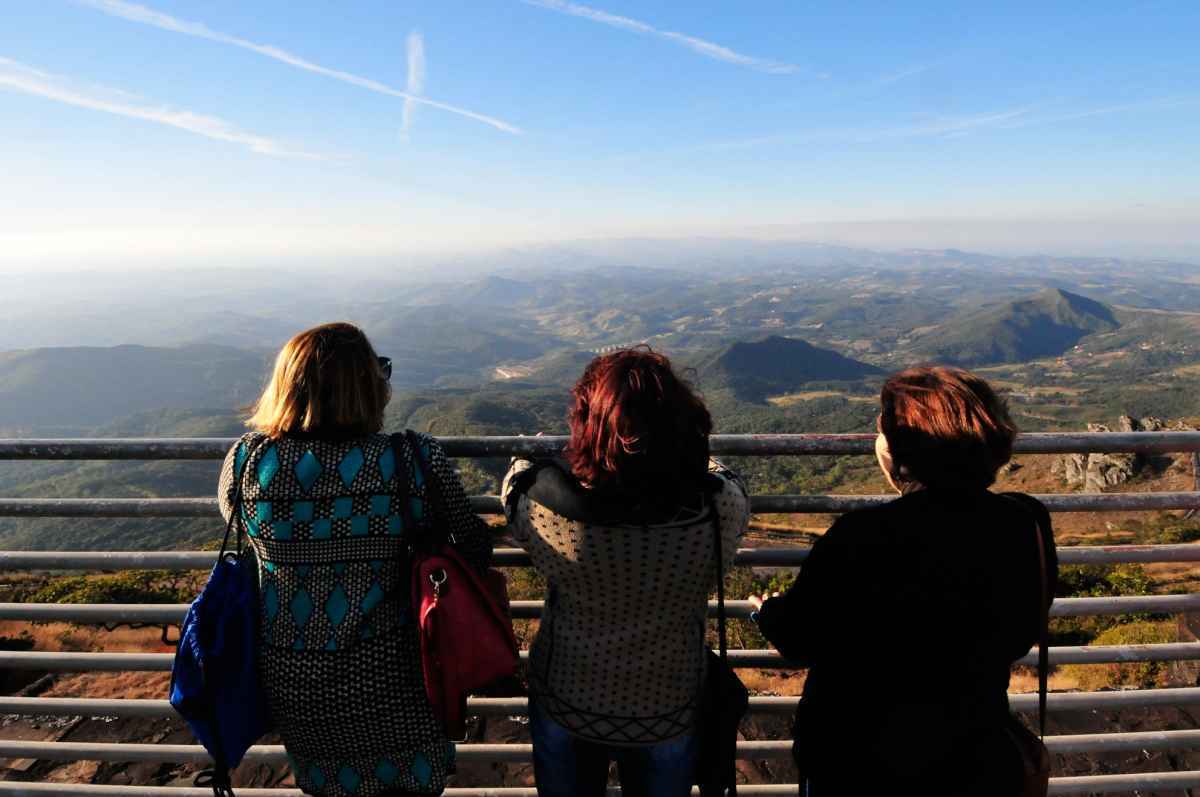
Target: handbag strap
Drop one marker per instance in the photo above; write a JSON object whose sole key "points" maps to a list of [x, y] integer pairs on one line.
{"points": [[235, 508], [438, 520], [1043, 628], [400, 451]]}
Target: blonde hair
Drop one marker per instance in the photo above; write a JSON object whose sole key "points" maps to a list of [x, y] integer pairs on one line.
{"points": [[327, 381]]}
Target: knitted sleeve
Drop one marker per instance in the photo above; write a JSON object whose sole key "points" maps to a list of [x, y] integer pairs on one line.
{"points": [[232, 473], [227, 483], [733, 506], [516, 484]]}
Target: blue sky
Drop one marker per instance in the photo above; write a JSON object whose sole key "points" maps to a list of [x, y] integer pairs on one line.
{"points": [[229, 131]]}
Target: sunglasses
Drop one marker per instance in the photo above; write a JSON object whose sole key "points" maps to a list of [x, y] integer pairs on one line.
{"points": [[385, 367]]}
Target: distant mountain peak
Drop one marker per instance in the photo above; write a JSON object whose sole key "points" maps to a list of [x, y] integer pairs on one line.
{"points": [[776, 365]]}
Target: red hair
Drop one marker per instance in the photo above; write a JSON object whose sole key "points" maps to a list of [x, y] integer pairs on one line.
{"points": [[636, 424], [945, 427]]}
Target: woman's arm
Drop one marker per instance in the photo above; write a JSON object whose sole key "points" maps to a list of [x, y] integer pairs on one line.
{"points": [[733, 505], [795, 621], [469, 534], [1026, 625]]}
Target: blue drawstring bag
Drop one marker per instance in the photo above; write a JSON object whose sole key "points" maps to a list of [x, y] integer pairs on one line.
{"points": [[214, 681]]}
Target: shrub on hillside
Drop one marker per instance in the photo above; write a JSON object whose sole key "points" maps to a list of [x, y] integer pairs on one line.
{"points": [[1097, 581], [1139, 674], [152, 586], [1173, 530]]}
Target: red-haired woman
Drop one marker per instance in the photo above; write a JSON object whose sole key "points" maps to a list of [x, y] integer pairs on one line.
{"points": [[623, 531], [910, 615]]}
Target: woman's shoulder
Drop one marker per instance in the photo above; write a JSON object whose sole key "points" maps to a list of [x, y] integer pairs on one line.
{"points": [[722, 478], [243, 447], [727, 490], [933, 507], [250, 439]]}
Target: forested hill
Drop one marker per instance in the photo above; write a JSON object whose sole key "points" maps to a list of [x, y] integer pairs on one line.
{"points": [[1043, 325], [777, 365]]}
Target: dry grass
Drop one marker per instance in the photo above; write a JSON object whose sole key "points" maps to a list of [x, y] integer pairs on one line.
{"points": [[791, 683], [786, 683], [117, 685], [1170, 576], [1025, 679], [79, 638]]}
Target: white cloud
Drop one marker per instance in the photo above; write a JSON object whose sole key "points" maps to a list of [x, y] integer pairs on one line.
{"points": [[701, 46], [148, 16], [16, 76], [943, 125], [416, 80], [1157, 103], [902, 74]]}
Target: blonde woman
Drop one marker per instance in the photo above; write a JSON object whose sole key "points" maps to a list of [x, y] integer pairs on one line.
{"points": [[314, 488]]}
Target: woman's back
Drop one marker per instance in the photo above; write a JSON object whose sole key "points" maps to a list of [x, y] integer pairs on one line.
{"points": [[340, 660], [619, 655], [909, 617]]}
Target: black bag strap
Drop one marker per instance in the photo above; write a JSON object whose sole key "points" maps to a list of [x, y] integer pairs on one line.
{"points": [[400, 454], [235, 508], [439, 525], [1043, 628]]}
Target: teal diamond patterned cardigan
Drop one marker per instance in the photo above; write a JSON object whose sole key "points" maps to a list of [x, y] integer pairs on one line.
{"points": [[340, 661]]}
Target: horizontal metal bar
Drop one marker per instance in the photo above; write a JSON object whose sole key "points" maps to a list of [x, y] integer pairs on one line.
{"points": [[490, 504], [195, 754], [1124, 742], [784, 556], [100, 613], [86, 662], [89, 790], [109, 507], [505, 446], [1121, 554], [145, 448], [1061, 702], [53, 661], [1089, 784], [1058, 502], [1065, 654], [1129, 604], [1136, 782], [519, 706], [522, 753]]}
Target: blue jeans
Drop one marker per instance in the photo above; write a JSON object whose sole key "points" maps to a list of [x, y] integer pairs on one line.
{"points": [[566, 766]]}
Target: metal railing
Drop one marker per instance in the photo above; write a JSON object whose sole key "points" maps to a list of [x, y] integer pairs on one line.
{"points": [[789, 556]]}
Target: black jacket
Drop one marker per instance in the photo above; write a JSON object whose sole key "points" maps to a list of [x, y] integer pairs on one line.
{"points": [[909, 616]]}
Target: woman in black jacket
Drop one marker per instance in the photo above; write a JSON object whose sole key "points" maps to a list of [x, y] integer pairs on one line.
{"points": [[910, 615]]}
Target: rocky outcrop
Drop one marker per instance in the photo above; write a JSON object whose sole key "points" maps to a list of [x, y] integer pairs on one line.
{"points": [[1096, 473]]}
